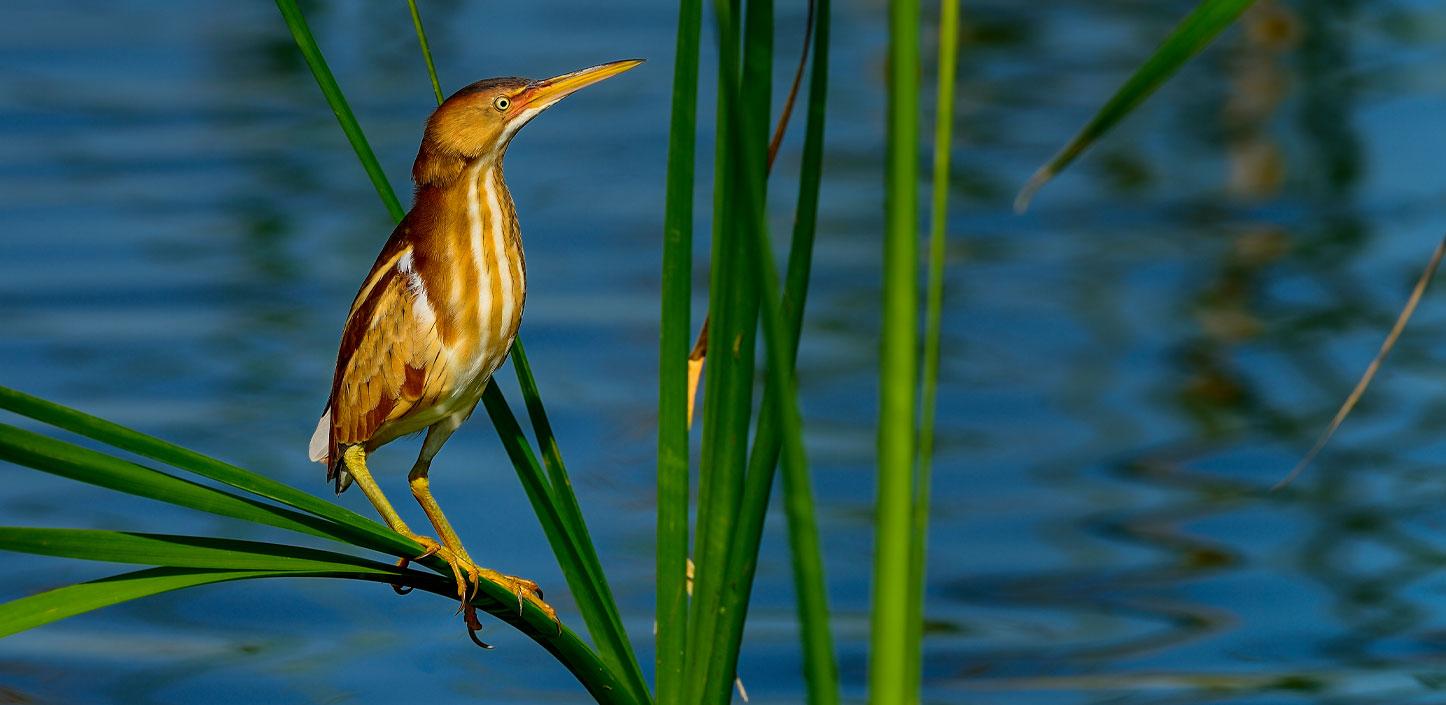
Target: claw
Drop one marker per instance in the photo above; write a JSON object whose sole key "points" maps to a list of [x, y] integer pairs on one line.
{"points": [[475, 574], [525, 589], [472, 634], [457, 577], [474, 627], [465, 571], [461, 583], [398, 588]]}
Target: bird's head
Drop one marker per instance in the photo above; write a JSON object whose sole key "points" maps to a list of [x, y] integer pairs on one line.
{"points": [[479, 121]]}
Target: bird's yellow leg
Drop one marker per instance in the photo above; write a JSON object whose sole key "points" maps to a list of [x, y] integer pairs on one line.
{"points": [[355, 460], [521, 587], [421, 489]]}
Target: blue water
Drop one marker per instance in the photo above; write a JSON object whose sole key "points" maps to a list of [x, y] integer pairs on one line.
{"points": [[1128, 369]]}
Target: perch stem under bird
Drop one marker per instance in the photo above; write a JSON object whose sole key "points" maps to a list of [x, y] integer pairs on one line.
{"points": [[438, 312]]}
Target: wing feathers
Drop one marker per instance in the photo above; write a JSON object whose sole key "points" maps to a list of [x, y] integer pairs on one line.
{"points": [[390, 358]]}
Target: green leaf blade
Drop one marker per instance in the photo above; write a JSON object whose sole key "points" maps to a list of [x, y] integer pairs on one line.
{"points": [[673, 343], [587, 580], [73, 462], [301, 33], [820, 667], [545, 505], [426, 50], [54, 605], [351, 525], [1197, 30], [196, 561], [733, 304], [178, 551]]}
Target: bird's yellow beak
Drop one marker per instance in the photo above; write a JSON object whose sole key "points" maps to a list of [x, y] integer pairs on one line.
{"points": [[543, 93]]}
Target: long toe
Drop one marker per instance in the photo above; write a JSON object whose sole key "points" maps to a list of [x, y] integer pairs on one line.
{"points": [[475, 575], [429, 545], [460, 570], [527, 590]]}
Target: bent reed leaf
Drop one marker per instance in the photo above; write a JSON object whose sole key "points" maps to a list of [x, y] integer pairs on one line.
{"points": [[53, 605], [351, 526], [178, 551], [1197, 30], [73, 462]]}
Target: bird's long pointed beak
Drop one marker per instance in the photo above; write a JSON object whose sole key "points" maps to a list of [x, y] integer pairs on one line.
{"points": [[543, 93]]}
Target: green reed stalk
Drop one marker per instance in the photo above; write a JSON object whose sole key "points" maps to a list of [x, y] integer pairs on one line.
{"points": [[820, 669], [673, 344], [898, 375], [728, 396], [819, 665], [933, 315], [426, 50], [712, 390], [301, 33], [744, 111]]}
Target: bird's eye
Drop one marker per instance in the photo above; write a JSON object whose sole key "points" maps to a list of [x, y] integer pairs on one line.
{"points": [[501, 103]]}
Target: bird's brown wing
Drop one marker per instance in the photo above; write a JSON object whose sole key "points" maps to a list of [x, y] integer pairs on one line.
{"points": [[391, 359]]}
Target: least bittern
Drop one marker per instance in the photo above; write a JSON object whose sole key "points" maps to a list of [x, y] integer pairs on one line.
{"points": [[439, 311]]}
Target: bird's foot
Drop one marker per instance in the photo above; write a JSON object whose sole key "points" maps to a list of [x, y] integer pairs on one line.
{"points": [[429, 547], [467, 576], [525, 590]]}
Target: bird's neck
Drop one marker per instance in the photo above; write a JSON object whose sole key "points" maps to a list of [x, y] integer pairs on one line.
{"points": [[467, 226], [474, 197]]}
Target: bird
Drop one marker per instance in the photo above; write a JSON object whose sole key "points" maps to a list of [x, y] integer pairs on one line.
{"points": [[439, 310]]}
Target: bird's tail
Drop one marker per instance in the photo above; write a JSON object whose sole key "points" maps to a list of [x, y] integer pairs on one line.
{"points": [[320, 452]]}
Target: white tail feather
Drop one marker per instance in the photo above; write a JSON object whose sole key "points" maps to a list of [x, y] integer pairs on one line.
{"points": [[321, 439]]}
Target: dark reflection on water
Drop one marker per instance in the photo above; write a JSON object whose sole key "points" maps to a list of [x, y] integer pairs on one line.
{"points": [[1130, 366]]}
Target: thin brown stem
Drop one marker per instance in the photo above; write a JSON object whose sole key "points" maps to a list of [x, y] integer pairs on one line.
{"points": [[699, 353], [1390, 342]]}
